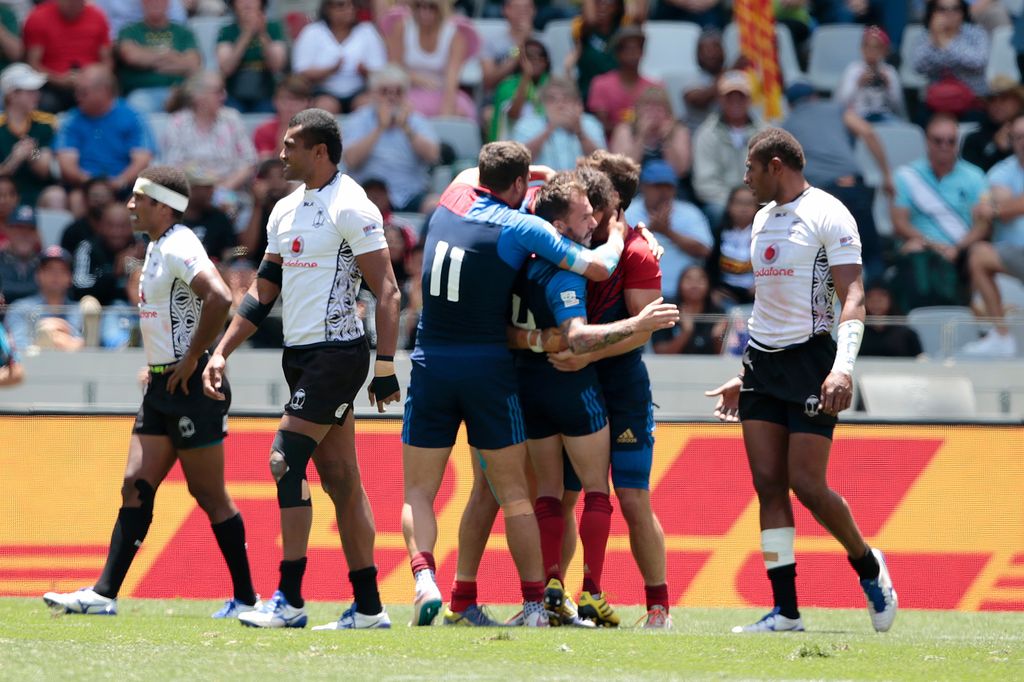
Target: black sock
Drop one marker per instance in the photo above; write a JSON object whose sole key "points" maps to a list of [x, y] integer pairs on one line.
{"points": [[364, 587], [867, 566], [784, 589], [230, 536], [129, 531], [291, 581]]}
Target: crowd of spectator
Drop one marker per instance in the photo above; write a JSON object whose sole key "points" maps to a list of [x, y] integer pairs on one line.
{"points": [[81, 82]]}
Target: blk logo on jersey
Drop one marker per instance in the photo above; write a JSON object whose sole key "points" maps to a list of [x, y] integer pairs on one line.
{"points": [[297, 245], [186, 427], [298, 400], [770, 254]]}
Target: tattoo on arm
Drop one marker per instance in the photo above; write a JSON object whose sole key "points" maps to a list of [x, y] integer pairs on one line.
{"points": [[586, 338]]}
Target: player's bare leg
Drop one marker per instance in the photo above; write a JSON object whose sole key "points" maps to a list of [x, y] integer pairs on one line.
{"points": [[338, 466], [505, 471], [474, 530], [646, 542], [767, 445], [569, 500], [423, 470], [204, 473], [150, 458]]}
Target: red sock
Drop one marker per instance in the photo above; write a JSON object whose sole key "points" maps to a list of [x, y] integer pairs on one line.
{"points": [[594, 525], [551, 524], [463, 595], [657, 595], [421, 561], [532, 591]]}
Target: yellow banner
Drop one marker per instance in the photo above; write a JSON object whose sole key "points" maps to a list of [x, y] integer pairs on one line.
{"points": [[943, 502]]}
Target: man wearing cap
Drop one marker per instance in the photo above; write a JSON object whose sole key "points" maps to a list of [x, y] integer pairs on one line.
{"points": [[681, 227], [26, 134], [18, 258], [720, 144], [826, 129], [612, 96], [50, 318], [387, 139], [212, 225], [183, 304], [991, 142]]}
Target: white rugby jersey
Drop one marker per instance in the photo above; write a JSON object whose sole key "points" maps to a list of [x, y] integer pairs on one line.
{"points": [[168, 308], [318, 234], [792, 250]]}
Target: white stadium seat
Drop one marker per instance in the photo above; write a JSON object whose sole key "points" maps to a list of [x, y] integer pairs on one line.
{"points": [[1002, 58], [903, 142], [670, 46], [912, 35], [462, 134], [833, 47], [50, 222], [206, 30], [558, 39], [943, 330], [909, 396]]}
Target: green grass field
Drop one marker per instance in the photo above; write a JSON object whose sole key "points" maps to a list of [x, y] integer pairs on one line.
{"points": [[176, 640]]}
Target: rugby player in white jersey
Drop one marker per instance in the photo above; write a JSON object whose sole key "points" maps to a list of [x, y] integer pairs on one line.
{"points": [[183, 303], [796, 379], [323, 240]]}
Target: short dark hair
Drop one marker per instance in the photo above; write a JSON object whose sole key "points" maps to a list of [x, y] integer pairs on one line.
{"points": [[623, 172], [598, 186], [773, 143], [170, 177], [319, 127], [932, 5], [502, 163], [267, 165], [554, 197]]}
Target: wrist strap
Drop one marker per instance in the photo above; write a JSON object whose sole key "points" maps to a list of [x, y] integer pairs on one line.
{"points": [[850, 335]]}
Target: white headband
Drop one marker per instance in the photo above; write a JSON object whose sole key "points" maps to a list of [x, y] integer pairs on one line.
{"points": [[165, 195]]}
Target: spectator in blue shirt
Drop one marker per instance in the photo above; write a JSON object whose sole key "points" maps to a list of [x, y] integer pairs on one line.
{"points": [[681, 227], [388, 139], [103, 135], [49, 319]]}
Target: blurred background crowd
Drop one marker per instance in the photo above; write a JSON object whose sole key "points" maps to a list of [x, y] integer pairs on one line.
{"points": [[911, 112]]}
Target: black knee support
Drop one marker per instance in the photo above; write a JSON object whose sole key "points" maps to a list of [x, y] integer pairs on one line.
{"points": [[147, 495], [289, 456]]}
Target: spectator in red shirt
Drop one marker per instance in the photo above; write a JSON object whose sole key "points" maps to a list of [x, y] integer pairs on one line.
{"points": [[291, 96], [613, 95], [61, 38]]}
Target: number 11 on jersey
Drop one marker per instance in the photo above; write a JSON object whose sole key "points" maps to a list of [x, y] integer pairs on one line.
{"points": [[455, 256]]}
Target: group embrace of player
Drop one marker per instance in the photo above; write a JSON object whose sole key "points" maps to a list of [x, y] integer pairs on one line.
{"points": [[538, 300]]}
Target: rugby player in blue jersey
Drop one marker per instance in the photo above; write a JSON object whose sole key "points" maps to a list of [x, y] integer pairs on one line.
{"points": [[462, 368]]}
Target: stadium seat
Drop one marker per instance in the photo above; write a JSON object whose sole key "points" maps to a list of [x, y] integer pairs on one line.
{"points": [[462, 134], [910, 78], [558, 39], [965, 128], [789, 64], [1011, 290], [1002, 58], [833, 47], [943, 330], [917, 396], [206, 30], [903, 142], [50, 222], [669, 46], [488, 30]]}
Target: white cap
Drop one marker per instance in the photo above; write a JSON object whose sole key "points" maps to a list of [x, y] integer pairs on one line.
{"points": [[20, 76]]}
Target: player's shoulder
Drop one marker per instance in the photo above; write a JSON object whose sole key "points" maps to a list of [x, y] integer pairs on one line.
{"points": [[762, 215], [288, 203], [636, 246], [181, 241]]}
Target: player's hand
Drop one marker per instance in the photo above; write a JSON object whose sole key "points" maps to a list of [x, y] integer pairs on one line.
{"points": [[657, 315], [553, 340], [181, 373], [656, 248], [727, 409], [836, 393], [567, 361], [213, 376], [384, 387]]}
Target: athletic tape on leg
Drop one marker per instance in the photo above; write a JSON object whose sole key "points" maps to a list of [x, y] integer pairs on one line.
{"points": [[777, 547], [289, 456]]}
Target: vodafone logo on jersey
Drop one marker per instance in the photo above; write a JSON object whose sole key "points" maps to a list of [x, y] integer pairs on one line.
{"points": [[769, 256], [297, 246]]}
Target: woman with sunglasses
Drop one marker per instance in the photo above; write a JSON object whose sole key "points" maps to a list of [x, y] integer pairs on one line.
{"points": [[337, 54], [432, 45]]}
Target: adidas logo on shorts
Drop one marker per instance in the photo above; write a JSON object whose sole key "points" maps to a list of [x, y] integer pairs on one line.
{"points": [[626, 438]]}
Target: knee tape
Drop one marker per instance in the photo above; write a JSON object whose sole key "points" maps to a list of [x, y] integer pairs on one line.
{"points": [[289, 456], [147, 495], [517, 508], [777, 547]]}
